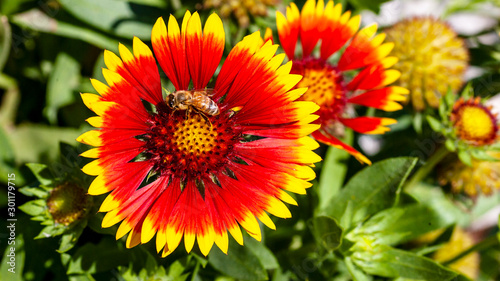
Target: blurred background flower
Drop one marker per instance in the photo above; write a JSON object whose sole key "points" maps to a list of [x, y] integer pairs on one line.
{"points": [[360, 76], [50, 48], [241, 10], [482, 177], [431, 59]]}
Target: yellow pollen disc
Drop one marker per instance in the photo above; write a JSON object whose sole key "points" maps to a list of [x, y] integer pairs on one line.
{"points": [[323, 86], [195, 135], [188, 143], [475, 124]]}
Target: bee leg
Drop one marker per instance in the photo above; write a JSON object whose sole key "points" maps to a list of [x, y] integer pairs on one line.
{"points": [[188, 111], [206, 119]]}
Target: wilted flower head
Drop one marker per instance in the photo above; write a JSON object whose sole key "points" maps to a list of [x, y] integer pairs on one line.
{"points": [[360, 77], [208, 160], [431, 59], [240, 9], [482, 177]]}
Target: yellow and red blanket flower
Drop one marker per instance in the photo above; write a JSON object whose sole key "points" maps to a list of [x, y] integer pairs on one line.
{"points": [[178, 173], [329, 84], [474, 123]]}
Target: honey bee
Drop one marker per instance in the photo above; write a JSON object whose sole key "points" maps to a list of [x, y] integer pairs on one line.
{"points": [[197, 99]]}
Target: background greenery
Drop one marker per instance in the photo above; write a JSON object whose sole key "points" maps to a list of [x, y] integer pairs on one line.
{"points": [[351, 225]]}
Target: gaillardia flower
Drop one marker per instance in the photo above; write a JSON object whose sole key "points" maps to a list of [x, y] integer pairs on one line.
{"points": [[241, 10], [332, 86], [431, 59], [482, 176], [179, 170], [473, 122]]}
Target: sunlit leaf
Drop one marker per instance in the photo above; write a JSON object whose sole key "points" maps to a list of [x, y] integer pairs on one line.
{"points": [[63, 79], [125, 19], [392, 263], [240, 262], [37, 20], [373, 189]]}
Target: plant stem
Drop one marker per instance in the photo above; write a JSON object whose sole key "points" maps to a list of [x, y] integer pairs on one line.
{"points": [[485, 244], [10, 101], [425, 169]]}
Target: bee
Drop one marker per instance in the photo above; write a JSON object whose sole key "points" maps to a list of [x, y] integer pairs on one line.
{"points": [[197, 99]]}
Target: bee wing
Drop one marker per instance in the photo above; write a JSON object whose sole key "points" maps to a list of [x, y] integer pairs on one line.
{"points": [[209, 92]]}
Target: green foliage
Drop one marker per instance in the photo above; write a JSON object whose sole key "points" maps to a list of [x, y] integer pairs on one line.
{"points": [[393, 263], [358, 200], [327, 232], [356, 223], [245, 263], [120, 18]]}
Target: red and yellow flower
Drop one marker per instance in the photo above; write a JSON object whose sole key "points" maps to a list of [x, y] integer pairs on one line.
{"points": [[330, 85], [182, 174], [474, 123]]}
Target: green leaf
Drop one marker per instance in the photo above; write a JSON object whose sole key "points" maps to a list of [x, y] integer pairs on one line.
{"points": [[449, 98], [443, 109], [465, 157], [265, 256], [481, 154], [9, 7], [450, 145], [434, 123], [417, 122], [332, 174], [36, 143], [373, 5], [6, 271], [373, 189], [433, 197], [41, 172], [69, 240], [34, 192], [356, 273], [51, 231], [393, 263], [64, 78], [5, 40], [326, 231], [6, 158], [397, 225], [34, 207], [39, 21], [240, 262], [93, 258], [114, 16], [468, 91], [154, 3]]}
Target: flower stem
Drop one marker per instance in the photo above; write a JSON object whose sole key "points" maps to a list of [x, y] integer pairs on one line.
{"points": [[485, 244], [425, 169]]}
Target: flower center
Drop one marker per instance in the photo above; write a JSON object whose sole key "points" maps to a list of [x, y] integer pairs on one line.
{"points": [[186, 143], [67, 203], [475, 124], [325, 86]]}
